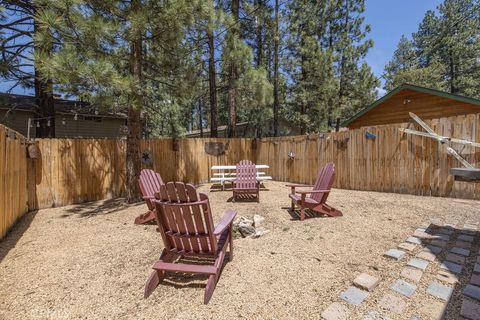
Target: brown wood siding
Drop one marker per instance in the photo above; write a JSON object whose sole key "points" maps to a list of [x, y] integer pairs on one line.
{"points": [[426, 106]]}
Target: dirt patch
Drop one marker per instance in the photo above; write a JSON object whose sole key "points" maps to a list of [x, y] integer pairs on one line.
{"points": [[90, 261]]}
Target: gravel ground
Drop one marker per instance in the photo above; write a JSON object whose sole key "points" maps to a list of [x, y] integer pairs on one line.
{"points": [[90, 261]]}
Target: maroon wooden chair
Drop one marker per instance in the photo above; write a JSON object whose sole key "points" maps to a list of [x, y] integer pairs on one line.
{"points": [[185, 223], [318, 195], [149, 183], [246, 180]]}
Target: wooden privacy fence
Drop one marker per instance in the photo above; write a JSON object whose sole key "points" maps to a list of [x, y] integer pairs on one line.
{"points": [[78, 170], [13, 178]]}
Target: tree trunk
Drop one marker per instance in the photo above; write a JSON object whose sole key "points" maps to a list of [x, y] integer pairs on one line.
{"points": [[343, 69], [259, 22], [43, 92], [232, 79], [275, 73], [212, 84], [134, 111]]}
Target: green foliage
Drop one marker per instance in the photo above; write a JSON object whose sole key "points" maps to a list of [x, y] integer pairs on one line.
{"points": [[444, 52]]}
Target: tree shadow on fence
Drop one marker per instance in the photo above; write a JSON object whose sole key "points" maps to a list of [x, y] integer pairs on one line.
{"points": [[456, 252], [15, 234]]}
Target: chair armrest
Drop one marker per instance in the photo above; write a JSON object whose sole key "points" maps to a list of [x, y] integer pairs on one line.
{"points": [[148, 197], [225, 222], [298, 185], [312, 191]]}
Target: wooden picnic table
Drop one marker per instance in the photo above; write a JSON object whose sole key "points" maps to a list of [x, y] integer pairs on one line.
{"points": [[225, 173]]}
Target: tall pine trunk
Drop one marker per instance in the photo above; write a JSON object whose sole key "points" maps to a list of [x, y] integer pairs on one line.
{"points": [[259, 30], [232, 78], [134, 111], [275, 73], [43, 89], [212, 85]]}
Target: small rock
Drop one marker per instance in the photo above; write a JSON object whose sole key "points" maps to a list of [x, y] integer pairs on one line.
{"points": [[260, 232], [258, 220]]}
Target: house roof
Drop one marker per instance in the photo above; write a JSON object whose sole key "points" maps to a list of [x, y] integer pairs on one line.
{"points": [[219, 129], [404, 86], [61, 106]]}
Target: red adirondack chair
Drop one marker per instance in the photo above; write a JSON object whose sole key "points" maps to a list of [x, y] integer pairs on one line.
{"points": [[246, 180], [185, 222], [149, 183], [318, 194]]}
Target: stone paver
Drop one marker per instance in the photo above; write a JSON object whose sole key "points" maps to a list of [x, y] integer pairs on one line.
{"points": [[475, 280], [470, 309], [476, 268], [395, 254], [470, 227], [472, 291], [413, 274], [460, 251], [455, 258], [447, 231], [478, 259], [463, 244], [336, 311], [439, 243], [425, 255], [354, 295], [418, 263], [466, 238], [407, 246], [422, 234], [375, 315], [366, 282], [440, 291], [392, 303], [414, 240], [442, 237], [433, 249], [447, 276], [452, 267], [432, 309], [404, 288]]}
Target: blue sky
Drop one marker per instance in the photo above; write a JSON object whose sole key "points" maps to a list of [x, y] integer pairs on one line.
{"points": [[389, 19]]}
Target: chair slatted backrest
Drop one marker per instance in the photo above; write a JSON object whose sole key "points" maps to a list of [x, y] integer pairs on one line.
{"points": [[324, 181], [185, 220], [246, 175], [149, 183]]}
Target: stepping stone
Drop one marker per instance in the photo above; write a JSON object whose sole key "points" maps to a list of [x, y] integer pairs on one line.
{"points": [[478, 259], [404, 288], [375, 315], [455, 258], [446, 231], [433, 249], [407, 246], [464, 237], [425, 255], [354, 295], [422, 234], [469, 227], [336, 311], [446, 276], [463, 244], [439, 243], [440, 291], [472, 291], [413, 274], [366, 282], [392, 303], [475, 280], [418, 263], [476, 268], [452, 267], [433, 309], [414, 240], [395, 254], [470, 309], [436, 222], [460, 251], [450, 225], [442, 237]]}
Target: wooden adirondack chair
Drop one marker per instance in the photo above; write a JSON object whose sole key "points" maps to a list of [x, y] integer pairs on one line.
{"points": [[149, 183], [318, 194], [246, 180], [185, 222]]}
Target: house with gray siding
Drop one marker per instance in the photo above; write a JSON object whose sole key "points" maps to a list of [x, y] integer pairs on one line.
{"points": [[73, 119]]}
